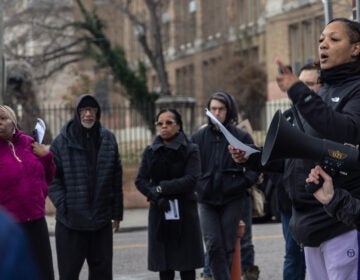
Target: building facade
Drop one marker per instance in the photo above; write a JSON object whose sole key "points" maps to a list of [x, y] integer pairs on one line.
{"points": [[203, 39]]}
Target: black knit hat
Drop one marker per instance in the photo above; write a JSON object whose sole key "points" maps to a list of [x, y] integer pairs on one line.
{"points": [[88, 101]]}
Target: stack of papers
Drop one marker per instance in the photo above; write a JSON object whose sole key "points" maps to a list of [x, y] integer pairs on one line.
{"points": [[233, 141]]}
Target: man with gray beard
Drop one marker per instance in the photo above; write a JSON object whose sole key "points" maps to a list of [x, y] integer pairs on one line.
{"points": [[87, 193]]}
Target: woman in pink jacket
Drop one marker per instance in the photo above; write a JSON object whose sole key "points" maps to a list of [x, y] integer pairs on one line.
{"points": [[26, 169]]}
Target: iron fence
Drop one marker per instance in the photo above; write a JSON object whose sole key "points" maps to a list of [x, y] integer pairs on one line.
{"points": [[133, 133]]}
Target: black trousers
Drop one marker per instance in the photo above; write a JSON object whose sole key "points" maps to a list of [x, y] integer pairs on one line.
{"points": [[38, 236], [73, 247], [184, 275]]}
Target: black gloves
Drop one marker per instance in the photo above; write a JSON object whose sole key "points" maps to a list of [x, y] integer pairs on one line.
{"points": [[163, 204], [153, 195]]}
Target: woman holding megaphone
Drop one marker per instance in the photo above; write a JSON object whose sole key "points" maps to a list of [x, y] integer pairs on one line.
{"points": [[333, 113], [338, 203]]}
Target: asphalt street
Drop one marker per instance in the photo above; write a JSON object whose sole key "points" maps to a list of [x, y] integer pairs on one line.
{"points": [[130, 250]]}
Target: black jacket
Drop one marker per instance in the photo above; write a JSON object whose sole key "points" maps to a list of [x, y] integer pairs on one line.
{"points": [[344, 207], [86, 200], [173, 245], [334, 114], [222, 180]]}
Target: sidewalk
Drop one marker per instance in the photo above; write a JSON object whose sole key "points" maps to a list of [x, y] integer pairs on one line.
{"points": [[134, 219]]}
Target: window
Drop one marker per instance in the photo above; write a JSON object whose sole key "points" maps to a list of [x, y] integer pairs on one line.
{"points": [[295, 42], [304, 41], [185, 23], [185, 83], [309, 41]]}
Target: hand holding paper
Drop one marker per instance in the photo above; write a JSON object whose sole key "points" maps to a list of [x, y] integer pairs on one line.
{"points": [[39, 130], [233, 141]]}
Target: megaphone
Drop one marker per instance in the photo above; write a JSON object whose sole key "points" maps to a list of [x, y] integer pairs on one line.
{"points": [[285, 141]]}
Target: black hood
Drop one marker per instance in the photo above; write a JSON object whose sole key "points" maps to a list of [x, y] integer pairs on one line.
{"points": [[223, 97], [81, 133], [88, 99]]}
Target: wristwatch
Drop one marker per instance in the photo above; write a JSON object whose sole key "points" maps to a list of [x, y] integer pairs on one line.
{"points": [[158, 189]]}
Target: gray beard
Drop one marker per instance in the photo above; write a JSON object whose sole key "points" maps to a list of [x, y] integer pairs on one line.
{"points": [[86, 125]]}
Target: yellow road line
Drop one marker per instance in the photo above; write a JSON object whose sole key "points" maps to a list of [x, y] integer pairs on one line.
{"points": [[261, 237]]}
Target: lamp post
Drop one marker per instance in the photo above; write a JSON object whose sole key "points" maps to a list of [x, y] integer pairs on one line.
{"points": [[328, 10], [356, 10]]}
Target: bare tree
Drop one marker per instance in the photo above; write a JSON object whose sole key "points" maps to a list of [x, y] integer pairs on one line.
{"points": [[57, 40], [42, 34], [152, 48], [248, 84], [20, 95]]}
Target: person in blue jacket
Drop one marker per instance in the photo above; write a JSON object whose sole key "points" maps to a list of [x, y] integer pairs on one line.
{"points": [[16, 262]]}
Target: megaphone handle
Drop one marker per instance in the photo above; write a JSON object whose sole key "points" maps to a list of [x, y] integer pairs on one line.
{"points": [[312, 187]]}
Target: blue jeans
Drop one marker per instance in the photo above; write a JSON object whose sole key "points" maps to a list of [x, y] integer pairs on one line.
{"points": [[206, 270], [294, 262], [247, 246], [219, 225]]}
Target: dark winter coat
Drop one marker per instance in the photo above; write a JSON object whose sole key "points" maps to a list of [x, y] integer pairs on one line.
{"points": [[344, 207], [84, 199], [222, 180], [175, 244], [334, 114]]}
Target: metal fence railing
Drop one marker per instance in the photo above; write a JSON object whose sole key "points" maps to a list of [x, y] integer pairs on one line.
{"points": [[133, 133]]}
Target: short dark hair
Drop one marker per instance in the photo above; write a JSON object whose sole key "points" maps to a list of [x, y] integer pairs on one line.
{"points": [[310, 66], [353, 28], [175, 113]]}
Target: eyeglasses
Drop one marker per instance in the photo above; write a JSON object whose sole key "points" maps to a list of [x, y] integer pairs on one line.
{"points": [[168, 122], [220, 109], [92, 110]]}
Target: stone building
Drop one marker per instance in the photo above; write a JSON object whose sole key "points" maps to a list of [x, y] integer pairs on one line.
{"points": [[203, 40]]}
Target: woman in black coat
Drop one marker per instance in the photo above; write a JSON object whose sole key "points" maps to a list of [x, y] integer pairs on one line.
{"points": [[167, 176]]}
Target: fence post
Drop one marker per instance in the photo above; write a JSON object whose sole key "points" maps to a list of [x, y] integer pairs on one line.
{"points": [[236, 271]]}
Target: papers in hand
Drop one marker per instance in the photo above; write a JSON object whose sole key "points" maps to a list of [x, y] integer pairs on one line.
{"points": [[39, 130], [233, 141], [173, 213]]}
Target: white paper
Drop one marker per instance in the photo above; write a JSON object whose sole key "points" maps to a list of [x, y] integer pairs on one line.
{"points": [[233, 141], [39, 130], [173, 213]]}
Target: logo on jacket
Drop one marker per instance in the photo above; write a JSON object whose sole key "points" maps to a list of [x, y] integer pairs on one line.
{"points": [[337, 154], [335, 99], [350, 253]]}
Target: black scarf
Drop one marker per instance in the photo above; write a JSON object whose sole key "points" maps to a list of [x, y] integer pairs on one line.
{"points": [[339, 73]]}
